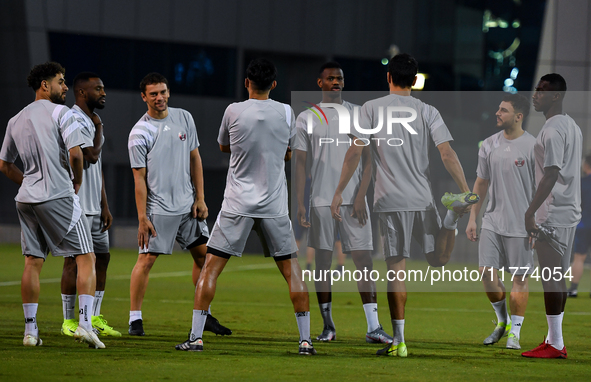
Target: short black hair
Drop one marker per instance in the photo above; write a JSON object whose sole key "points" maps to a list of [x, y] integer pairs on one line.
{"points": [[151, 79], [403, 68], [519, 103], [556, 81], [329, 65], [262, 73], [44, 72], [83, 77]]}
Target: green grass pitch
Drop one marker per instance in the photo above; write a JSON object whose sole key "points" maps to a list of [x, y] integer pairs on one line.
{"points": [[444, 332]]}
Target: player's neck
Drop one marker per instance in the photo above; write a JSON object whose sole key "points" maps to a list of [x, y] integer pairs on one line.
{"points": [[395, 89], [555, 109], [253, 94], [329, 97], [42, 96], [513, 132], [82, 105], [158, 114]]}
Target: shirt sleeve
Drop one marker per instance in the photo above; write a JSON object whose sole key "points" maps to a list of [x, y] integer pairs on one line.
{"points": [[87, 137], [224, 134], [365, 122], [194, 138], [9, 152], [138, 145], [71, 129], [438, 129], [300, 141], [483, 171], [554, 145]]}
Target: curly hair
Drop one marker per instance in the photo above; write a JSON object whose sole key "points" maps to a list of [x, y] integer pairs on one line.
{"points": [[44, 72]]}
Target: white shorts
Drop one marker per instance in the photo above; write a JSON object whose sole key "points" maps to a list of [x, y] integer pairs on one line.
{"points": [[187, 231], [100, 240], [56, 226], [497, 251], [398, 229], [562, 241], [324, 230], [230, 232]]}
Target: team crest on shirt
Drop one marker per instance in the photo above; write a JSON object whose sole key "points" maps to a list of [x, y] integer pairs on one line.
{"points": [[182, 136], [519, 162]]}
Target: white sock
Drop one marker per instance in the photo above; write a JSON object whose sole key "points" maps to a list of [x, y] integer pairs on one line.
{"points": [[398, 327], [30, 311], [548, 334], [500, 308], [371, 316], [209, 310], [303, 319], [326, 312], [98, 300], [450, 221], [85, 302], [134, 315], [516, 323], [555, 331], [199, 318], [69, 306]]}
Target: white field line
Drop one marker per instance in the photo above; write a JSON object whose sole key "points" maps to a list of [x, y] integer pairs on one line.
{"points": [[153, 275]]}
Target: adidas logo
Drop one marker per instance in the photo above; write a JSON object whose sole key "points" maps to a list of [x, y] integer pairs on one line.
{"points": [[375, 309], [517, 325], [334, 118], [507, 149], [326, 310], [166, 128]]}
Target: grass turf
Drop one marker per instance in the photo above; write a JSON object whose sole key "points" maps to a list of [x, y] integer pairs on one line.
{"points": [[444, 331]]}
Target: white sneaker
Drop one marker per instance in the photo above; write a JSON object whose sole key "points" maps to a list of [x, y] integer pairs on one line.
{"points": [[513, 342], [88, 337], [31, 340]]}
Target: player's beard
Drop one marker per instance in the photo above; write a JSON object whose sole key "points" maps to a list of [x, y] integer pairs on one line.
{"points": [[57, 98], [95, 104]]}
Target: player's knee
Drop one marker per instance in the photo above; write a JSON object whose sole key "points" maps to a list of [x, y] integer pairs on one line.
{"points": [[362, 260], [437, 259]]}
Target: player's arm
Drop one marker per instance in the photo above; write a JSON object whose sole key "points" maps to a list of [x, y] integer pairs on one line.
{"points": [[287, 157], [349, 166], [91, 154], [453, 166], [301, 157], [480, 189], [199, 209], [12, 172], [141, 199], [106, 217], [359, 210], [77, 165], [543, 191], [225, 149]]}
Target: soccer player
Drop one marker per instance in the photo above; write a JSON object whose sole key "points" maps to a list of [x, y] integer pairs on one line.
{"points": [[42, 135], [402, 190], [257, 134], [355, 229], [555, 210], [506, 170], [583, 233], [168, 176], [89, 92]]}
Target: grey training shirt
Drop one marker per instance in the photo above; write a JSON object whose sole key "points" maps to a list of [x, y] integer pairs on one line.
{"points": [[401, 159], [163, 147], [559, 144], [41, 135], [509, 166], [258, 133], [326, 158]]}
